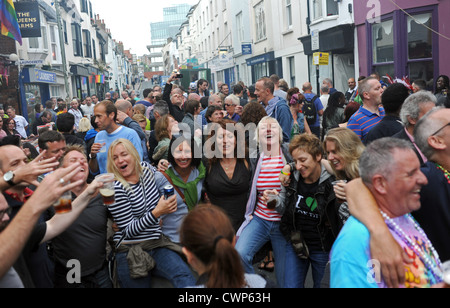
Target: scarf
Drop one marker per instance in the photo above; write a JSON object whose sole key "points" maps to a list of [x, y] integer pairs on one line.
{"points": [[190, 188], [271, 107]]}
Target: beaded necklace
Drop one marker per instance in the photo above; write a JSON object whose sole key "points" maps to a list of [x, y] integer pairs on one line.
{"points": [[446, 173], [426, 258]]}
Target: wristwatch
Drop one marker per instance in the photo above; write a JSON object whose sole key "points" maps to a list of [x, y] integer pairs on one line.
{"points": [[8, 178]]}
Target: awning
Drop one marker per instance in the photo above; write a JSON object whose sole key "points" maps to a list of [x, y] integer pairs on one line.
{"points": [[340, 39]]}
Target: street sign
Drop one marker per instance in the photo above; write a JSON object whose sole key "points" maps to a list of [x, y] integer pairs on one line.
{"points": [[315, 43], [321, 58], [31, 62]]}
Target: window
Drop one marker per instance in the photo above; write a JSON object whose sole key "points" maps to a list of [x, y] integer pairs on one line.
{"points": [[383, 42], [84, 6], [54, 45], [329, 7], [260, 19], [383, 48], [94, 50], [403, 45], [332, 8], [76, 40], [44, 37], [289, 14], [240, 27], [33, 42], [87, 44], [420, 46], [65, 32], [317, 9], [291, 61]]}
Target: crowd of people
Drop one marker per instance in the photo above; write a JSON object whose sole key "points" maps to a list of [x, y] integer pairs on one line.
{"points": [[284, 179]]}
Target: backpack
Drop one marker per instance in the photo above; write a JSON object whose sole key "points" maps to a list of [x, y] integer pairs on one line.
{"points": [[309, 110]]}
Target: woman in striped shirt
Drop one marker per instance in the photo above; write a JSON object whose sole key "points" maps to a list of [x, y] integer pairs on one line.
{"points": [[140, 245], [262, 222]]}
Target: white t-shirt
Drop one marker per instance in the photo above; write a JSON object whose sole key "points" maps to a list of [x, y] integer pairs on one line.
{"points": [[21, 123]]}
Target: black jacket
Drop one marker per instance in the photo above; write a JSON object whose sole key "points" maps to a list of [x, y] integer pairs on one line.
{"points": [[327, 207]]}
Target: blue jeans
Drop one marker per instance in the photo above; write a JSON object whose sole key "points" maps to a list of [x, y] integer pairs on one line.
{"points": [[297, 269], [257, 233], [169, 265]]}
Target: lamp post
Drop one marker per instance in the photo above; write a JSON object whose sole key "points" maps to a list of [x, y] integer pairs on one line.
{"points": [[22, 97]]}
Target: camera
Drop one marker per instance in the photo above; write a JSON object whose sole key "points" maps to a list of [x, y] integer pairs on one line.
{"points": [[179, 76]]}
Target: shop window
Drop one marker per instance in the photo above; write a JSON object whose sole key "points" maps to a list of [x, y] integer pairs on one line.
{"points": [[403, 45], [383, 42]]}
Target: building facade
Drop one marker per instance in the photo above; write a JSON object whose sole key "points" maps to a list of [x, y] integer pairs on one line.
{"points": [[73, 55], [405, 38]]}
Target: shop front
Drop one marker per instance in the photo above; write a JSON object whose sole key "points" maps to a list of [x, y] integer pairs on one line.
{"points": [[265, 65], [339, 43], [80, 80], [35, 90]]}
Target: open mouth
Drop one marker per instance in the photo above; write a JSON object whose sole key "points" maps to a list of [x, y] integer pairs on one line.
{"points": [[336, 163], [123, 167]]}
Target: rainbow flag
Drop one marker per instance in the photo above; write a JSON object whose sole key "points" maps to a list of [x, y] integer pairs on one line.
{"points": [[100, 79], [8, 20]]}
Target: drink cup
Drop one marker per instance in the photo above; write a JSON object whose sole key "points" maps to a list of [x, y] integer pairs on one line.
{"points": [[334, 185], [446, 272], [272, 201], [107, 191], [337, 182], [103, 143], [64, 204]]}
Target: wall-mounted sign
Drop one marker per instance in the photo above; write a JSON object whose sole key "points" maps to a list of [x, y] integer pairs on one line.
{"points": [[321, 58], [247, 49], [28, 18], [315, 40]]}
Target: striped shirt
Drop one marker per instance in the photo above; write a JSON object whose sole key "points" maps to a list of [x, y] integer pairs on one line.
{"points": [[364, 120], [268, 179], [133, 207]]}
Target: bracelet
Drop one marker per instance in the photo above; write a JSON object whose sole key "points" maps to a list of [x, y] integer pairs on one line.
{"points": [[287, 174]]}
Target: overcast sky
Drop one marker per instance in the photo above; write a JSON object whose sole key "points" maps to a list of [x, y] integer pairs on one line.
{"points": [[129, 20]]}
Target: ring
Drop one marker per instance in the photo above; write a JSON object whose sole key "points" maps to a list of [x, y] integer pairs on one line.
{"points": [[61, 181]]}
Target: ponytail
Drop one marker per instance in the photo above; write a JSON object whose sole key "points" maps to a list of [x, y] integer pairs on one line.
{"points": [[225, 269]]}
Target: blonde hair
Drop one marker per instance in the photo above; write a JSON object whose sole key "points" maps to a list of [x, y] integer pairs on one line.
{"points": [[350, 147], [111, 166], [268, 119], [139, 118], [84, 125]]}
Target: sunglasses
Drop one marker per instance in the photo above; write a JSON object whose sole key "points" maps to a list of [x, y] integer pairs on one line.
{"points": [[440, 130]]}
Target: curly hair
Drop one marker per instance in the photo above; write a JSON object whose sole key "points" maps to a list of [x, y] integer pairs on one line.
{"points": [[253, 113]]}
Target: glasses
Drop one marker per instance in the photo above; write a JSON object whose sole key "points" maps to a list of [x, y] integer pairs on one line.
{"points": [[228, 105], [448, 124], [3, 212]]}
